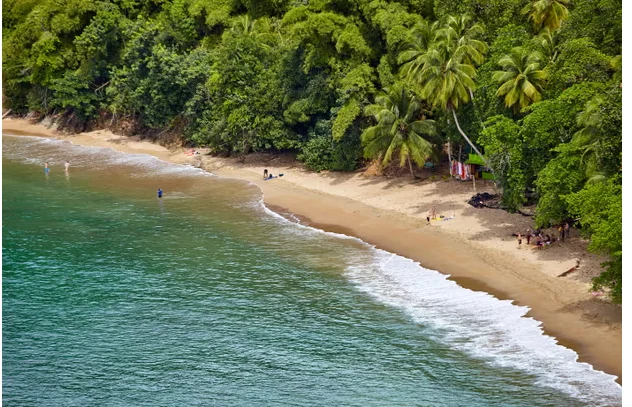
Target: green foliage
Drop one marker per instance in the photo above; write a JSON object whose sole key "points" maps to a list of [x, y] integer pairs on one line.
{"points": [[579, 61], [323, 153], [240, 108], [345, 117], [561, 176], [155, 83], [599, 208], [598, 20], [552, 122], [495, 14], [503, 150], [71, 93], [486, 103]]}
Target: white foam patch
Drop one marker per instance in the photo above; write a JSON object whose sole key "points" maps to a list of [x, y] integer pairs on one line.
{"points": [[482, 326]]}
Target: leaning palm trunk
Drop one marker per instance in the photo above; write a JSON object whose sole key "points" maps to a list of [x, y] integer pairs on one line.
{"points": [[466, 138], [410, 165]]}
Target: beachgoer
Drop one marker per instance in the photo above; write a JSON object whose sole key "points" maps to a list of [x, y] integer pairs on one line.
{"points": [[519, 240], [428, 218], [67, 165], [46, 169], [528, 236], [265, 173], [567, 230], [433, 212], [159, 193]]}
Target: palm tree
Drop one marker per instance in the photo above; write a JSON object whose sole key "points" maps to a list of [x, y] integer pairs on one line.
{"points": [[549, 43], [400, 127], [459, 35], [521, 79], [445, 73], [546, 13], [421, 37], [586, 140], [259, 29]]}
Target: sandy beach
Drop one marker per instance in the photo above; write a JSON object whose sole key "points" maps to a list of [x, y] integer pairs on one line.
{"points": [[475, 246]]}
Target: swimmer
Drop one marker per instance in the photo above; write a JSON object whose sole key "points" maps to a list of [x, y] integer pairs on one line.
{"points": [[159, 193]]}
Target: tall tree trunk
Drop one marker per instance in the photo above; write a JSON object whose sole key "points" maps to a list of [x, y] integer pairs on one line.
{"points": [[449, 153], [410, 165], [467, 138]]}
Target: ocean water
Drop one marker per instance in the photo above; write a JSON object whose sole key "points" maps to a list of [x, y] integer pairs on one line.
{"points": [[112, 297]]}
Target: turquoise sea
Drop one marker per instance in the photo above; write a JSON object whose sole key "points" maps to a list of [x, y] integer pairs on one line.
{"points": [[112, 297]]}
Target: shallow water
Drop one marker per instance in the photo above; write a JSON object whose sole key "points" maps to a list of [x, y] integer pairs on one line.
{"points": [[114, 297]]}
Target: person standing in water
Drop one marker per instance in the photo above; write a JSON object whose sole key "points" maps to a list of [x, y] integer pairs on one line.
{"points": [[159, 193], [67, 165], [46, 169]]}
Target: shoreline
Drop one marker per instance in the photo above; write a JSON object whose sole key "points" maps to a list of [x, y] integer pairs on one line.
{"points": [[475, 248]]}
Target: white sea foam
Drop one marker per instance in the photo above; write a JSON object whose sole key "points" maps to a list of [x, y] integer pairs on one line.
{"points": [[475, 322], [482, 326], [37, 150]]}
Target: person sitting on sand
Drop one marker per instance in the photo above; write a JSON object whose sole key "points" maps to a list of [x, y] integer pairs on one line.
{"points": [[265, 173]]}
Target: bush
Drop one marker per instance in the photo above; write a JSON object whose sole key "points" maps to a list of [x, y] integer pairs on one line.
{"points": [[323, 153]]}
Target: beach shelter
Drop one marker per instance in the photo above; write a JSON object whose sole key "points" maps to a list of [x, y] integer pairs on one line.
{"points": [[477, 166]]}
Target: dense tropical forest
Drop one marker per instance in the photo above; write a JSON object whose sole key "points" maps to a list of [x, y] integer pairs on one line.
{"points": [[533, 86]]}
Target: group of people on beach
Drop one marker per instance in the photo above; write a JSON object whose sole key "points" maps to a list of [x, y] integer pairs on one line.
{"points": [[47, 167], [539, 239]]}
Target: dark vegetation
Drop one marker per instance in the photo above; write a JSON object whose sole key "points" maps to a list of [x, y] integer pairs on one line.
{"points": [[534, 85]]}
